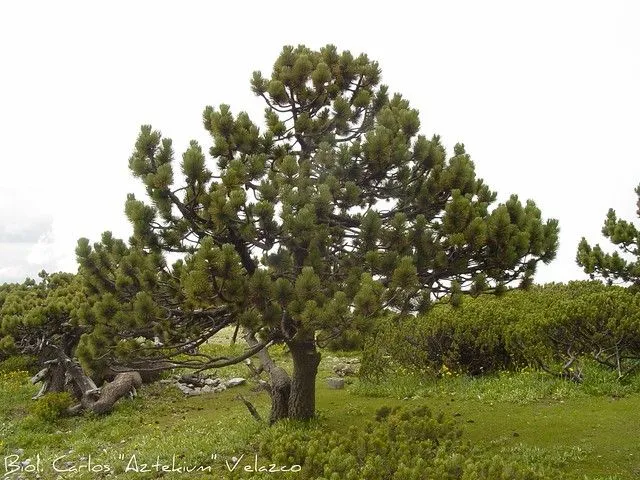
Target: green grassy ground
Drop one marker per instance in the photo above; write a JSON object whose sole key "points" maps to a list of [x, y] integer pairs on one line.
{"points": [[588, 431]]}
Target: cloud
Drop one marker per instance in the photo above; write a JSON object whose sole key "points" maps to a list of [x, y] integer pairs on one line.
{"points": [[12, 274], [19, 260], [551, 117], [23, 226], [28, 246], [24, 231], [13, 262]]}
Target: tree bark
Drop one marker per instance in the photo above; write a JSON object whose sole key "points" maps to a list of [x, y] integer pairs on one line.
{"points": [[123, 384], [53, 378], [280, 383], [98, 400], [280, 390], [292, 397], [81, 379], [302, 400]]}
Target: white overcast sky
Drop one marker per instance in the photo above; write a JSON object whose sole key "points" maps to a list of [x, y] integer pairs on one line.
{"points": [[544, 94]]}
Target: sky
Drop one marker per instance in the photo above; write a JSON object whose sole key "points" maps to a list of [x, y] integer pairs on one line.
{"points": [[545, 96]]}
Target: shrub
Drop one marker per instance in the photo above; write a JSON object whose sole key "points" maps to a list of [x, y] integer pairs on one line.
{"points": [[578, 321], [52, 406], [553, 327], [19, 363], [470, 339], [401, 443]]}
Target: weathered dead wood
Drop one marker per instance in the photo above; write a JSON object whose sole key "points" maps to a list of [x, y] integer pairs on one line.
{"points": [[52, 377], [65, 373], [124, 384]]}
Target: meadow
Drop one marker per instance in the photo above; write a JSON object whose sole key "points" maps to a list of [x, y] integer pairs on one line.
{"points": [[563, 429]]}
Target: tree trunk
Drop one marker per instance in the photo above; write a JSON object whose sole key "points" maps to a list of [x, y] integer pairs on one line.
{"points": [[53, 378], [56, 379], [302, 400], [83, 382], [280, 383], [294, 397], [280, 392]]}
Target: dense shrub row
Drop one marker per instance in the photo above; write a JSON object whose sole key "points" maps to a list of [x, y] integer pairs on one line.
{"points": [[400, 444], [551, 327]]}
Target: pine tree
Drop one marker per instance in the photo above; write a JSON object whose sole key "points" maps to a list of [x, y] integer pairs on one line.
{"points": [[334, 212], [38, 319], [46, 320], [613, 266]]}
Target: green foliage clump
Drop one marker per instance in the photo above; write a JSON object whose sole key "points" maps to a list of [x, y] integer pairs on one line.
{"points": [[35, 316], [401, 443], [553, 327], [52, 406], [468, 340], [614, 266], [19, 363], [335, 211]]}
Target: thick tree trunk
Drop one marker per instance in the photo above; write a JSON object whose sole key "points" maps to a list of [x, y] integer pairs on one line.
{"points": [[302, 400], [65, 374], [53, 378], [293, 397], [57, 378], [84, 383]]}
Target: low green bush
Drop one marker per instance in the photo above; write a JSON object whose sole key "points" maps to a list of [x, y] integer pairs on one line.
{"points": [[554, 328], [400, 444], [19, 363], [52, 406]]}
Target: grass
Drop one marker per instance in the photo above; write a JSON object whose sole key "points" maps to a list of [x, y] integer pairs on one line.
{"points": [[587, 431], [160, 422]]}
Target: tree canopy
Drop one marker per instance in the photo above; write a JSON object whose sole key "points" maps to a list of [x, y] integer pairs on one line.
{"points": [[331, 212], [614, 266], [33, 314]]}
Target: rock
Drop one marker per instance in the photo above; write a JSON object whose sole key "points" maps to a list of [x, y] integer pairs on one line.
{"points": [[192, 380], [234, 382], [207, 389], [335, 383], [212, 381], [344, 369], [184, 389], [219, 388]]}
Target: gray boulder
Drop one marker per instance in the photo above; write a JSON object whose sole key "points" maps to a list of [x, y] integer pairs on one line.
{"points": [[234, 382], [335, 383]]}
